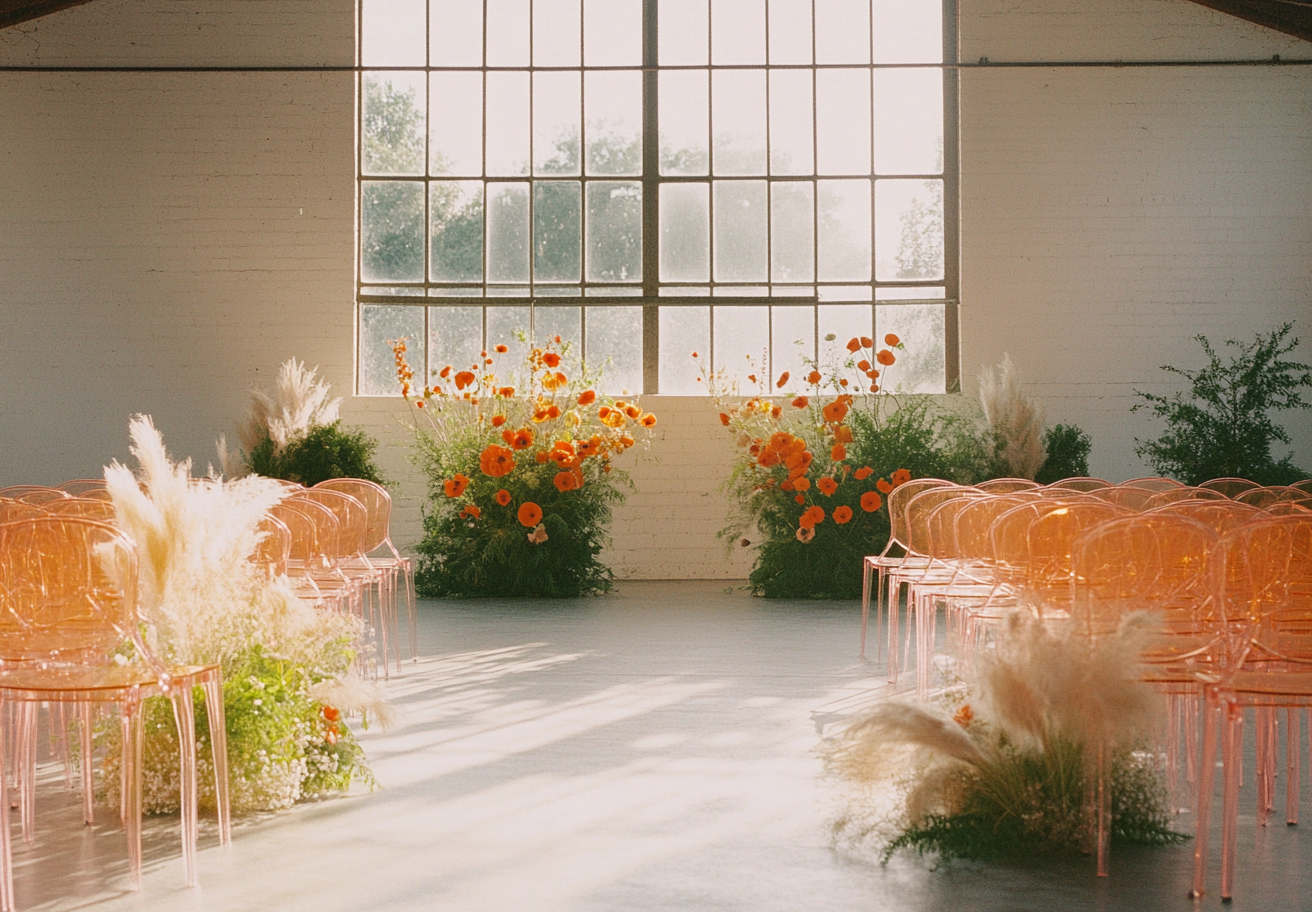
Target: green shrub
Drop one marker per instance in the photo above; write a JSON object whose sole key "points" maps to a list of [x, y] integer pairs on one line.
{"points": [[1221, 426], [325, 451], [1068, 454]]}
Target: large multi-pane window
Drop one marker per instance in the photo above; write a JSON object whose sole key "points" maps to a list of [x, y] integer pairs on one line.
{"points": [[755, 180]]}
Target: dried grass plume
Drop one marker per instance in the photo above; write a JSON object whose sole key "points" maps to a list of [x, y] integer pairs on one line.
{"points": [[1014, 417]]}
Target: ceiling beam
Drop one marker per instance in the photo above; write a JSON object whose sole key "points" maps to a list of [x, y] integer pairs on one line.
{"points": [[1293, 17], [13, 12]]}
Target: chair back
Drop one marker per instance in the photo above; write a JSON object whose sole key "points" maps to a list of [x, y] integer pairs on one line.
{"points": [[352, 518], [40, 496], [1050, 543], [1264, 583], [1221, 516], [1081, 483], [81, 487], [274, 548], [1154, 483], [377, 504], [1128, 497], [1171, 495], [1230, 487], [85, 507], [919, 508], [897, 501], [1273, 494], [1006, 485], [313, 530]]}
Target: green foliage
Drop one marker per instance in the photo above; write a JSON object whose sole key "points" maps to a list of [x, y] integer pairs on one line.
{"points": [[325, 451], [1068, 454], [1221, 426]]}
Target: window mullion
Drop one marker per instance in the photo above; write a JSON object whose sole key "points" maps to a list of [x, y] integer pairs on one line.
{"points": [[651, 150]]}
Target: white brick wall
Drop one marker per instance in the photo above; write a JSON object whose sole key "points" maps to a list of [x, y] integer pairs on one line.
{"points": [[166, 240]]}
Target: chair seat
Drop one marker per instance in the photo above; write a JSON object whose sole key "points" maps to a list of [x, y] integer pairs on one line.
{"points": [[80, 684]]}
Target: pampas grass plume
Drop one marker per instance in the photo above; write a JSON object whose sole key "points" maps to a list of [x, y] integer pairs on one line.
{"points": [[1014, 417]]}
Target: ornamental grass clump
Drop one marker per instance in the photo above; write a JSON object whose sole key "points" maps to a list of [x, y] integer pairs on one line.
{"points": [[521, 480], [1009, 773]]}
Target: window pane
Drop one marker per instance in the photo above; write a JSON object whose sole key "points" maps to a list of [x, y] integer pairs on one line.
{"points": [[456, 33], [614, 227], [556, 107], [557, 225], [682, 33], [843, 121], [684, 330], [920, 368], [507, 33], [550, 322], [456, 140], [738, 116], [392, 33], [791, 126], [685, 232], [842, 31], [455, 210], [392, 136], [909, 121], [615, 347], [843, 322], [455, 337], [790, 31], [507, 123], [557, 33], [612, 32], [380, 324], [792, 344], [909, 229], [737, 31], [507, 232], [908, 31], [844, 230], [507, 326], [613, 106], [792, 237], [742, 342], [391, 231], [685, 123], [740, 231], [908, 293]]}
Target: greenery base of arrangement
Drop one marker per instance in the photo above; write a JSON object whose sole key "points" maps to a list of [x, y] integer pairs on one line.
{"points": [[325, 451]]}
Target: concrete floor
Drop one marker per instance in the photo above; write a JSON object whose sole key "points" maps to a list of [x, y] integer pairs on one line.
{"points": [[652, 749]]}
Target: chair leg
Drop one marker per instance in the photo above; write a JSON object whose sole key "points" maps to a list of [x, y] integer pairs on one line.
{"points": [[84, 739], [1203, 795], [219, 747], [1103, 796], [131, 728], [184, 716], [6, 850], [26, 751], [1293, 739], [1232, 747]]}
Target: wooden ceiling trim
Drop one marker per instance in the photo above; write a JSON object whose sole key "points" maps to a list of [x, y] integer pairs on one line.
{"points": [[1293, 17], [13, 12]]}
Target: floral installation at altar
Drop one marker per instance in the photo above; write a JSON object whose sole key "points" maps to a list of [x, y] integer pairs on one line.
{"points": [[286, 664], [1002, 766], [521, 474]]}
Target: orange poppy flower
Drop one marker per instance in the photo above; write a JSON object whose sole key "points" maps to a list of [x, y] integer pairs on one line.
{"points": [[901, 476], [805, 534], [454, 487], [471, 512], [566, 481], [838, 453], [626, 441], [863, 365], [892, 341], [812, 516], [874, 387], [783, 378], [530, 514], [446, 372], [541, 458], [801, 402], [842, 382], [419, 404], [843, 514], [551, 359], [506, 392], [867, 342], [648, 420], [633, 412], [885, 357], [751, 377], [503, 497], [498, 420], [827, 486], [501, 349], [801, 483], [870, 501], [835, 411], [883, 486], [464, 379], [587, 397], [521, 439], [854, 345], [863, 473], [813, 377], [843, 434], [496, 461], [776, 412], [724, 419], [800, 498]]}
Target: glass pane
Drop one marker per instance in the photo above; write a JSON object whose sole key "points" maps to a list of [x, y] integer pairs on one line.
{"points": [[392, 33], [738, 119], [507, 123], [507, 33], [455, 35], [508, 326], [565, 322], [613, 291], [684, 330], [896, 293], [685, 122], [843, 216], [792, 129], [741, 235], [842, 322], [380, 324], [741, 291], [742, 342], [557, 33], [507, 232], [792, 232], [615, 347], [556, 107], [456, 139], [920, 327], [613, 105], [792, 345], [909, 121], [790, 31], [908, 31], [843, 121], [682, 33], [612, 32], [455, 212], [403, 290], [685, 232], [614, 228], [455, 337], [845, 293], [392, 136], [909, 229], [737, 31], [391, 231], [557, 226], [842, 31]]}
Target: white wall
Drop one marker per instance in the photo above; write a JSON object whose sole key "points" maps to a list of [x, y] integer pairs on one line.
{"points": [[166, 240]]}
